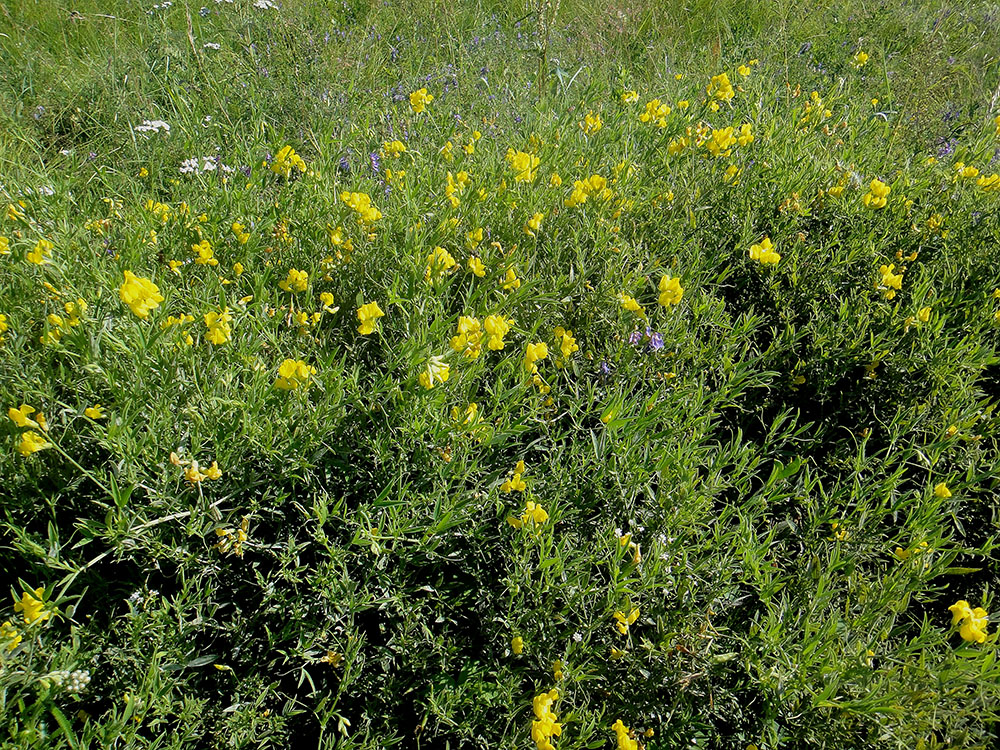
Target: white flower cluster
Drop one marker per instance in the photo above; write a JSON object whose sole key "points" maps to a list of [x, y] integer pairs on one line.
{"points": [[205, 164], [159, 6], [265, 4], [73, 682], [152, 126], [210, 45]]}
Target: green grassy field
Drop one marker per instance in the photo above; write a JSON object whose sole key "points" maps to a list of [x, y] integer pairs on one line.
{"points": [[440, 375]]}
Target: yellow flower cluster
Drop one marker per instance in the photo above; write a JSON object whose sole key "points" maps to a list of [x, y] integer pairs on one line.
{"points": [[496, 327], [631, 305], [525, 165], [514, 483], [625, 620], [297, 281], [624, 736], [40, 254], [205, 253], [594, 186], [438, 261], [435, 372], [362, 205], [889, 283], [140, 294], [656, 112], [217, 323], [533, 514], [533, 353], [368, 315], [671, 291], [9, 637], [33, 606], [720, 88], [419, 100], [469, 338], [392, 149], [764, 252], [545, 725], [231, 541], [971, 623], [294, 374], [287, 160], [567, 344], [878, 193], [591, 123]]}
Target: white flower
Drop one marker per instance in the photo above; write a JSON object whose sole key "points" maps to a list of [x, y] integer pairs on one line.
{"points": [[152, 126], [189, 166], [210, 45]]}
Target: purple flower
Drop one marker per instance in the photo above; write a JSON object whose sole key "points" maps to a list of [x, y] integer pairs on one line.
{"points": [[634, 338], [656, 341], [605, 368]]}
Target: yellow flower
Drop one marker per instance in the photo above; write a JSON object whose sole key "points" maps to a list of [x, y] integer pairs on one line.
{"points": [[631, 305], [3, 325], [656, 112], [469, 338], [545, 725], [94, 412], [534, 224], [297, 281], [971, 623], [533, 512], [671, 291], [764, 252], [510, 280], [720, 88], [39, 256], [625, 620], [524, 164], [439, 261], [217, 323], [392, 149], [285, 161], [32, 604], [624, 735], [889, 283], [436, 372], [476, 266], [721, 141], [745, 137], [591, 123], [206, 256], [533, 353], [294, 374], [924, 314], [419, 100], [141, 295], [877, 194], [941, 490], [362, 205], [9, 634], [496, 327], [32, 442], [743, 70], [4, 246], [567, 344], [860, 59], [21, 417], [629, 97], [516, 645], [213, 471], [368, 314]]}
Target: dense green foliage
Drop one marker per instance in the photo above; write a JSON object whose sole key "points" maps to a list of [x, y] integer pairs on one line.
{"points": [[759, 443]]}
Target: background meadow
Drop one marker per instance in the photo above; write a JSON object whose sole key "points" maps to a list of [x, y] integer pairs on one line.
{"points": [[465, 374]]}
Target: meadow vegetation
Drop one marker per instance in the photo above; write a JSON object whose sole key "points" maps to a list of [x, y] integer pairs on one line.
{"points": [[426, 375]]}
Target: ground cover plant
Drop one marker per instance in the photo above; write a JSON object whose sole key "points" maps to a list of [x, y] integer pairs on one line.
{"points": [[573, 375]]}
